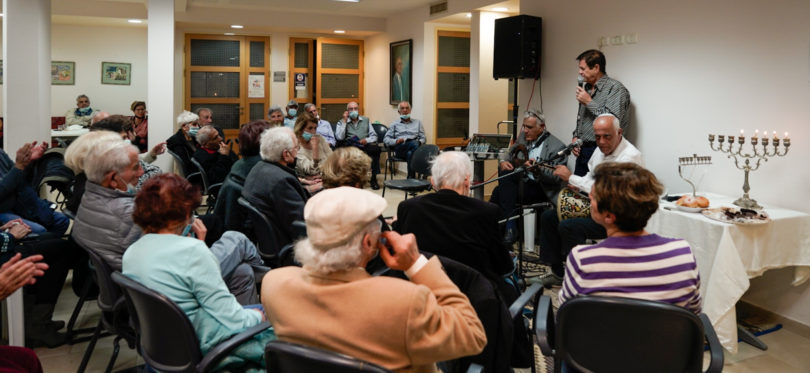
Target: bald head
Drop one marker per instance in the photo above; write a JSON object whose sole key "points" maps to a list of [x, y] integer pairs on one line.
{"points": [[608, 133]]}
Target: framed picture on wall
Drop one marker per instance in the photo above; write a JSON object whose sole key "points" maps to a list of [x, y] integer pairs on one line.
{"points": [[63, 73], [116, 73], [400, 68]]}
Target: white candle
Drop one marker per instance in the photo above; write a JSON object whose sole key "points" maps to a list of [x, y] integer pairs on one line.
{"points": [[756, 133], [786, 135], [764, 133], [742, 132]]}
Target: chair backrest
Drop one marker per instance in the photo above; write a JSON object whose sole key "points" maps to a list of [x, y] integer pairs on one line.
{"points": [[226, 206], [108, 292], [181, 166], [380, 129], [614, 334], [285, 357], [199, 168], [422, 157], [266, 238], [167, 338]]}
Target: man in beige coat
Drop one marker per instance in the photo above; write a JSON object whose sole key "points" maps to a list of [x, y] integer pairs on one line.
{"points": [[334, 304]]}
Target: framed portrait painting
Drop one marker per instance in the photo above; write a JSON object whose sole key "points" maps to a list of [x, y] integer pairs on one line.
{"points": [[400, 68], [63, 73], [116, 73]]}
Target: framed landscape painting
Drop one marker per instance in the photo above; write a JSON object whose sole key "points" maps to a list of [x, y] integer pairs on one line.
{"points": [[63, 73], [116, 73]]}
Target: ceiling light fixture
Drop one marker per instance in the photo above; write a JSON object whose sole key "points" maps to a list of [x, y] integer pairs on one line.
{"points": [[134, 21], [501, 9], [348, 1], [237, 26], [340, 31], [469, 15]]}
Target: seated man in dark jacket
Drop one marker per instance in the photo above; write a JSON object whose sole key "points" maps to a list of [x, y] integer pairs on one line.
{"points": [[272, 186], [19, 200], [213, 154]]}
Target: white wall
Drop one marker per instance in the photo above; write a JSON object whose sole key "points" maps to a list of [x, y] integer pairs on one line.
{"points": [[699, 67], [88, 46]]}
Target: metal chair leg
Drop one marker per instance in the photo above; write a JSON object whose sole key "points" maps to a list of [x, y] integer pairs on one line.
{"points": [[90, 347], [114, 356]]}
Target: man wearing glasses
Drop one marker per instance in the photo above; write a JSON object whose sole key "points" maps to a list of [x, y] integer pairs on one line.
{"points": [[82, 114], [539, 185]]}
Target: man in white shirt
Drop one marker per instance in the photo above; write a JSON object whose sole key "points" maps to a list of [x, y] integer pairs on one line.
{"points": [[557, 238]]}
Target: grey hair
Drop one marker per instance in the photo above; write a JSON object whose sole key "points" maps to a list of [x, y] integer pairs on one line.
{"points": [[81, 147], [82, 96], [450, 169], [334, 259], [541, 119], [352, 102], [308, 105], [274, 141], [200, 110], [187, 117], [273, 109], [616, 123], [106, 157], [205, 134]]}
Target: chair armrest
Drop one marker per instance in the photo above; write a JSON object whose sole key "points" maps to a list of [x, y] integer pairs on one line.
{"points": [[544, 326], [475, 368], [300, 228], [517, 306], [225, 347], [716, 356]]}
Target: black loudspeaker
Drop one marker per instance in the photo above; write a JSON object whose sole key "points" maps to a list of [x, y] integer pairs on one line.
{"points": [[517, 47]]}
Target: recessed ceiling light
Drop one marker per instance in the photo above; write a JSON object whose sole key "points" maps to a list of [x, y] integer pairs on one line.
{"points": [[469, 15], [501, 9], [348, 1], [340, 31], [229, 33], [237, 26], [134, 21]]}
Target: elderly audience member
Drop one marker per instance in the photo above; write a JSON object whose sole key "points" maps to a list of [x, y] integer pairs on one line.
{"points": [[166, 260], [346, 167], [275, 116], [314, 149], [74, 158], [104, 221], [405, 135], [213, 154], [355, 130], [184, 142], [538, 186], [427, 320], [18, 200], [292, 113], [324, 128], [557, 238], [451, 224], [272, 186], [123, 126], [82, 114], [14, 274], [631, 262], [206, 116], [140, 125]]}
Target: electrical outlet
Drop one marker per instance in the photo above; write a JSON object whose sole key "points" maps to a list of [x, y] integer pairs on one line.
{"points": [[631, 38]]}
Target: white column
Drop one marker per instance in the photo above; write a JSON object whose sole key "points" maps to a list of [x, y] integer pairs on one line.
{"points": [[26, 98], [26, 72], [488, 97], [160, 75]]}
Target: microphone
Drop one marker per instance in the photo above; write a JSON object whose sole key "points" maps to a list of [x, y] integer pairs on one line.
{"points": [[567, 150], [581, 81]]}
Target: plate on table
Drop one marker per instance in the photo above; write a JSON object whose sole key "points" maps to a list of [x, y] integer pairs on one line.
{"points": [[689, 209], [736, 215]]}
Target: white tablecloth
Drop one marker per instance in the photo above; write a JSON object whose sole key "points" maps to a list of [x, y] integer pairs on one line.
{"points": [[69, 133], [729, 255]]}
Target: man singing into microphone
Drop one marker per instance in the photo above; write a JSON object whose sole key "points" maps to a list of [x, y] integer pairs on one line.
{"points": [[539, 186], [598, 94]]}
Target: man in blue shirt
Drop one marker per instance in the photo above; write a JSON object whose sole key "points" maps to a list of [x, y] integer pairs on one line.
{"points": [[405, 135], [324, 127]]}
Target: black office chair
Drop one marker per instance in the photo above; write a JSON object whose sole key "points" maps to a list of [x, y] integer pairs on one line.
{"points": [[285, 357], [391, 158], [114, 314], [615, 334], [273, 254], [181, 166], [420, 162], [167, 338], [227, 208], [208, 190]]}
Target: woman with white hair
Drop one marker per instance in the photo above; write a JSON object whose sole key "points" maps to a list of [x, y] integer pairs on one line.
{"points": [[183, 143], [452, 224]]}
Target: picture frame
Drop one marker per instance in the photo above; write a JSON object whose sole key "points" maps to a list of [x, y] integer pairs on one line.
{"points": [[401, 58], [1, 72], [63, 73], [117, 73]]}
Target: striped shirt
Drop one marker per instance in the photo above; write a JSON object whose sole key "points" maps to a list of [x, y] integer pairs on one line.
{"points": [[645, 267], [609, 96]]}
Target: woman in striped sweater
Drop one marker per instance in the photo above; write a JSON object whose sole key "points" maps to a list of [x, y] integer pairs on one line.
{"points": [[631, 262]]}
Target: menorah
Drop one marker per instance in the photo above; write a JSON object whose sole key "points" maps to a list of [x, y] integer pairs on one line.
{"points": [[694, 160], [745, 201]]}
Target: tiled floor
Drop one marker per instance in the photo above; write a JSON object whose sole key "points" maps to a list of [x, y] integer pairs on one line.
{"points": [[788, 351]]}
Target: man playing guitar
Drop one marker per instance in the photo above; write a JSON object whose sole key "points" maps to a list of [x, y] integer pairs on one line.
{"points": [[536, 143]]}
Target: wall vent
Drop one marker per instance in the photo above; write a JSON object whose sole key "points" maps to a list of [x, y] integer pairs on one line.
{"points": [[438, 8]]}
